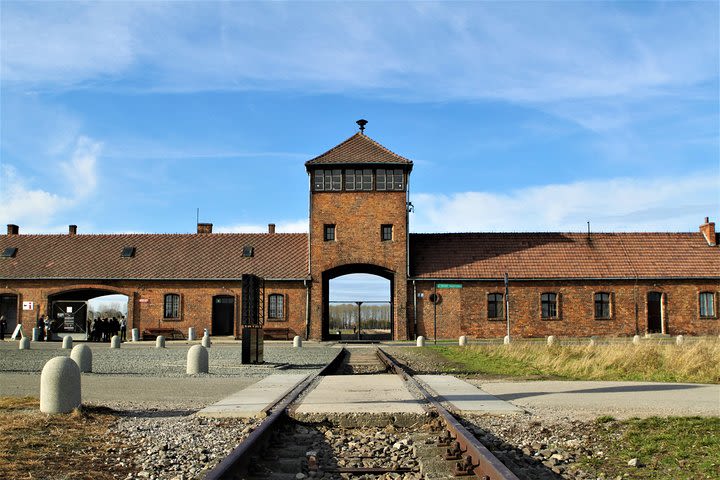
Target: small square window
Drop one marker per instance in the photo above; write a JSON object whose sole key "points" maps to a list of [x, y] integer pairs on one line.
{"points": [[329, 233], [248, 251], [386, 233], [128, 252], [9, 252]]}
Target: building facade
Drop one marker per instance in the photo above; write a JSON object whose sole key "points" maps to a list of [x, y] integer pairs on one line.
{"points": [[442, 285]]}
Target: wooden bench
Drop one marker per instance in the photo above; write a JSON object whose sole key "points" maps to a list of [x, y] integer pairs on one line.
{"points": [[168, 333], [276, 333]]}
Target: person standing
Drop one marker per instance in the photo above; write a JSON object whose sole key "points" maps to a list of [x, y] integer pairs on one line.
{"points": [[41, 328], [48, 333], [123, 329], [3, 327]]}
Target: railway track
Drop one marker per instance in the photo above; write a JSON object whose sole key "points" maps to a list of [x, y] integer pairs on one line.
{"points": [[435, 447]]}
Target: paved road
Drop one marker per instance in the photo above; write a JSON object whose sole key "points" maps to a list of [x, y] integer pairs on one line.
{"points": [[619, 399]]}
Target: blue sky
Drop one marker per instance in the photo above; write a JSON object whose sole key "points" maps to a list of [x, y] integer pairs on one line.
{"points": [[127, 116]]}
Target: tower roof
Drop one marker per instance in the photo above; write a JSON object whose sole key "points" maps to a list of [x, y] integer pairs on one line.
{"points": [[357, 150]]}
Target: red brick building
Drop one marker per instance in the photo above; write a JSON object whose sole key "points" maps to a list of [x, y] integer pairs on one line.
{"points": [[440, 284]]}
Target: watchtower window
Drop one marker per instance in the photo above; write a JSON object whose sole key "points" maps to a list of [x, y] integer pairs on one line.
{"points": [[386, 233], [327, 180], [390, 180], [329, 233], [353, 180]]}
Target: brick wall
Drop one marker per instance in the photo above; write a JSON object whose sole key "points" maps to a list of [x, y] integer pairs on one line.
{"points": [[358, 217], [464, 311]]}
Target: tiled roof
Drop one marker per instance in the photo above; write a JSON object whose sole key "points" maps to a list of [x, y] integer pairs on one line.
{"points": [[358, 149], [563, 255], [183, 256]]}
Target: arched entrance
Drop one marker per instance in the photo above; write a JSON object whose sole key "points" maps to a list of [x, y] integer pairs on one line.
{"points": [[72, 311], [358, 315], [223, 315]]}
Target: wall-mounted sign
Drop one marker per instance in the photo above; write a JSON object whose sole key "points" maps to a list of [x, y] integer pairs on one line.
{"points": [[28, 305], [144, 300], [68, 309], [449, 285]]}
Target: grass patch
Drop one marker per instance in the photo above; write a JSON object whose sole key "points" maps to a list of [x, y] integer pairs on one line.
{"points": [[696, 362], [70, 446], [674, 447]]}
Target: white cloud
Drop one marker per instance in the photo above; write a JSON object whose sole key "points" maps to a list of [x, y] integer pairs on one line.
{"points": [[621, 204], [34, 208], [289, 226]]}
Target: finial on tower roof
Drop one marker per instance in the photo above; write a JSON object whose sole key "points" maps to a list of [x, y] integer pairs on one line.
{"points": [[362, 122]]}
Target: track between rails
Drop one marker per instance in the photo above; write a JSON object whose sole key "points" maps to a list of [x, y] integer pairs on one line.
{"points": [[472, 458]]}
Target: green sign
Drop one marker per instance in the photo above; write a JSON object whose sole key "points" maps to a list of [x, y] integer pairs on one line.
{"points": [[449, 285]]}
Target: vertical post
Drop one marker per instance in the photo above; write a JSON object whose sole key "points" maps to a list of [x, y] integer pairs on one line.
{"points": [[435, 314], [358, 323], [507, 304]]}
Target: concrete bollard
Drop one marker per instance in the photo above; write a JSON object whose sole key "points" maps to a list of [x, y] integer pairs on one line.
{"points": [[297, 341], [24, 343], [636, 340], [82, 355], [551, 340], [679, 340], [593, 342], [506, 340], [191, 333], [115, 342], [67, 343], [197, 360], [36, 334], [462, 341], [160, 342], [420, 342], [206, 342], [135, 335], [59, 386]]}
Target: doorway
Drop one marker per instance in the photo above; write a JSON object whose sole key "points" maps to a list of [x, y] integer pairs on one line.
{"points": [[223, 315], [9, 308], [654, 312]]}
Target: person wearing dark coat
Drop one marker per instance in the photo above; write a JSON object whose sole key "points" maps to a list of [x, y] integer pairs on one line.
{"points": [[3, 327], [41, 327]]}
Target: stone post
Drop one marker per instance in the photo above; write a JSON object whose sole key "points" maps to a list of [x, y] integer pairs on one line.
{"points": [[24, 343], [67, 343], [135, 335], [59, 386], [462, 341], [551, 340], [197, 360], [36, 334], [115, 342], [679, 340], [191, 333], [82, 355], [420, 342], [206, 341], [592, 342], [506, 340], [297, 341], [636, 340], [160, 342]]}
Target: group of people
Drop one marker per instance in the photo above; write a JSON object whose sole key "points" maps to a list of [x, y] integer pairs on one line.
{"points": [[103, 329], [44, 325]]}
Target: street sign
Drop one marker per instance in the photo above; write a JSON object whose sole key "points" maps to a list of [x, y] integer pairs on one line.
{"points": [[449, 285]]}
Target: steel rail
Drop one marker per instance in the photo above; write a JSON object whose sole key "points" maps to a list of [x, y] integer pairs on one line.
{"points": [[476, 457], [237, 461]]}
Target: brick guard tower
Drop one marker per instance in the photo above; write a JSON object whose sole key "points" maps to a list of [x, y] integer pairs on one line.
{"points": [[358, 224]]}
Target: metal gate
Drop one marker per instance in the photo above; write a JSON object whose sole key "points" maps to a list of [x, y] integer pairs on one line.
{"points": [[69, 316]]}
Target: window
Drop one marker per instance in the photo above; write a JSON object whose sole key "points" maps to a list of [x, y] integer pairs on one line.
{"points": [[327, 180], [128, 252], [707, 304], [276, 310], [390, 179], [353, 180], [9, 252], [329, 233], [248, 251], [548, 303], [495, 306], [172, 306], [602, 305], [386, 233]]}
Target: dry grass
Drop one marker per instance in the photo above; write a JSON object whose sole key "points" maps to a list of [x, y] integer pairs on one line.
{"points": [[73, 446], [696, 361]]}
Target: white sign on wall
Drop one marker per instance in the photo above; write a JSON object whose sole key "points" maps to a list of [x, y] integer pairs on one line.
{"points": [[28, 305], [68, 309]]}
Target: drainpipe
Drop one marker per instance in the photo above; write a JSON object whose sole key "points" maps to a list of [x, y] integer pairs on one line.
{"points": [[415, 323], [307, 309]]}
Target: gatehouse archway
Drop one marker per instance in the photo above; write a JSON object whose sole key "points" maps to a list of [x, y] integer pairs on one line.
{"points": [[72, 312], [356, 314]]}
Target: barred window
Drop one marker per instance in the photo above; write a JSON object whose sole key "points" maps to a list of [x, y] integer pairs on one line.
{"points": [[495, 305], [548, 304], [602, 305], [172, 306], [707, 304], [276, 310]]}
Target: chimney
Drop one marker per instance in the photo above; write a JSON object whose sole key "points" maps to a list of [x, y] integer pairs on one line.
{"points": [[72, 229], [204, 228], [13, 229], [271, 228], [707, 229]]}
